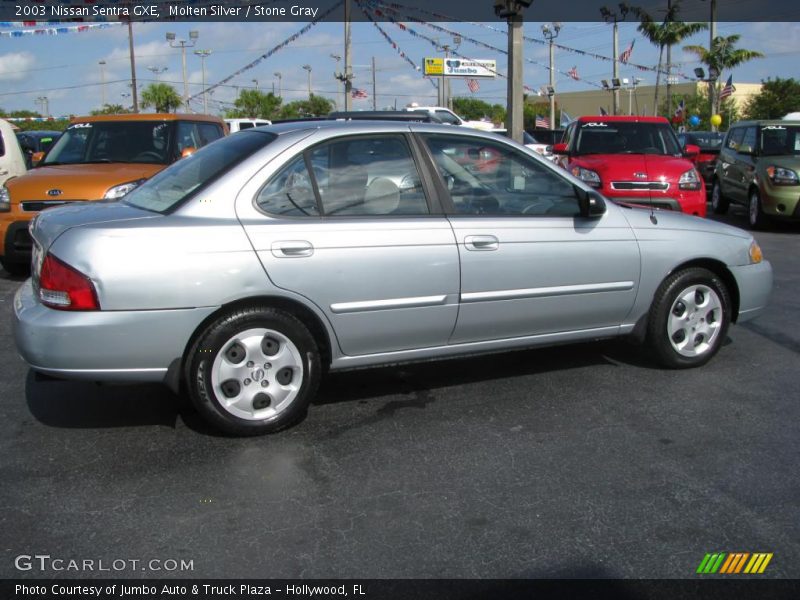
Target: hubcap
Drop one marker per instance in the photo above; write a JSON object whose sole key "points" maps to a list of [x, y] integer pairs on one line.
{"points": [[695, 321], [257, 374]]}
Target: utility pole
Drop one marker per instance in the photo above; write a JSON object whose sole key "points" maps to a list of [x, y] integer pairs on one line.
{"points": [[374, 89], [511, 10], [551, 33], [134, 93], [668, 23], [712, 86], [611, 16], [204, 54]]}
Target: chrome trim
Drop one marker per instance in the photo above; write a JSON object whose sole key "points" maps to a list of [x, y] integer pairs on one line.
{"points": [[349, 307], [561, 290], [641, 186]]}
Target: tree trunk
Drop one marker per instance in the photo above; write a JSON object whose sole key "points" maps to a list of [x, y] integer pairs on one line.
{"points": [[658, 80]]}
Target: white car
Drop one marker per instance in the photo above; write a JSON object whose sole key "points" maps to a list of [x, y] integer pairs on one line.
{"points": [[448, 117], [239, 124], [12, 160]]}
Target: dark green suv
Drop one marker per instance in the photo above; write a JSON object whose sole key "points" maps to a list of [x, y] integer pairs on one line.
{"points": [[758, 167]]}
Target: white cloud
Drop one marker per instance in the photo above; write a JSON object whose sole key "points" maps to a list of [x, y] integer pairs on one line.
{"points": [[13, 66]]}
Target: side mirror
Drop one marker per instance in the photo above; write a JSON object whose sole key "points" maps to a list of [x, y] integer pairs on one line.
{"points": [[745, 149], [36, 158], [559, 149], [590, 204], [188, 151], [690, 150], [548, 150]]}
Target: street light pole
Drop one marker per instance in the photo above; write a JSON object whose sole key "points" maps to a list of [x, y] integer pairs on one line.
{"points": [[551, 33], [256, 82], [156, 70], [279, 76], [204, 54], [102, 64], [183, 44], [133, 68], [511, 10], [611, 16], [308, 68]]}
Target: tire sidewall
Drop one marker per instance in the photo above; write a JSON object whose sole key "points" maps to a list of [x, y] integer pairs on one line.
{"points": [[757, 221], [666, 295], [211, 342], [718, 203]]}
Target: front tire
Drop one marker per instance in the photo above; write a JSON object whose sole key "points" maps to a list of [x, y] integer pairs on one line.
{"points": [[15, 268], [755, 212], [689, 320], [719, 204], [253, 371]]}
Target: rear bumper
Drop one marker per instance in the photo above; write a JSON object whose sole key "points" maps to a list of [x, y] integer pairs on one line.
{"points": [[755, 288], [101, 345]]}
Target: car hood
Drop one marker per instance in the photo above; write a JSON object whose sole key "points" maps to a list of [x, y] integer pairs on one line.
{"points": [[77, 182], [51, 223], [640, 220], [624, 167]]}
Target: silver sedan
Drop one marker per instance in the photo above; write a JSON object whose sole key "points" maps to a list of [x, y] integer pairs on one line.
{"points": [[244, 272]]}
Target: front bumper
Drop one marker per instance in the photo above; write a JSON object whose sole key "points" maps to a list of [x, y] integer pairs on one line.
{"points": [[687, 201], [781, 201], [755, 288], [101, 345]]}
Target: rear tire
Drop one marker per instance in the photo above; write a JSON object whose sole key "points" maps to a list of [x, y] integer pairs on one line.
{"points": [[253, 371], [719, 204], [689, 320], [755, 213], [15, 268]]}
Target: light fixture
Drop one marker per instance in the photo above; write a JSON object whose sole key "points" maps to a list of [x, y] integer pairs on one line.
{"points": [[605, 84], [699, 73], [615, 83]]}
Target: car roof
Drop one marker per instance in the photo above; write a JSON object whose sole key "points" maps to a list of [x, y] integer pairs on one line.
{"points": [[621, 119], [765, 122], [356, 126], [147, 117]]}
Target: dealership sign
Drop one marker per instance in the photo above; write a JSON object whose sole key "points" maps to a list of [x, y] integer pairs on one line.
{"points": [[459, 67]]}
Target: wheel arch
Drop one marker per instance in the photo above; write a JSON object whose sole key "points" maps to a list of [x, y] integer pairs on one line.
{"points": [[715, 266]]}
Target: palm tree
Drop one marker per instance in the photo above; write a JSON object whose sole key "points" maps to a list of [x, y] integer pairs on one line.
{"points": [[665, 35], [722, 55], [162, 96]]}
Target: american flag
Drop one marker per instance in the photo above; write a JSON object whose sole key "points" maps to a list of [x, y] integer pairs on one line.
{"points": [[473, 85], [358, 93], [680, 109], [727, 90], [573, 72], [542, 122], [626, 54]]}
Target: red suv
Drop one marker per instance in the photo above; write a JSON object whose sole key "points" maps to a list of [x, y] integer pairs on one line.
{"points": [[636, 160]]}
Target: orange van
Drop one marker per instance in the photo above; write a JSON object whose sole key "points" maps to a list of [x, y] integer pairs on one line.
{"points": [[98, 158]]}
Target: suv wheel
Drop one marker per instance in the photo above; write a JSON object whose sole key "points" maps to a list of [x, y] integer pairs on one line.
{"points": [[719, 204], [755, 214], [14, 268], [253, 371], [689, 318]]}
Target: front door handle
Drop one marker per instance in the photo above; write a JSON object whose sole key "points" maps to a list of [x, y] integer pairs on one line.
{"points": [[481, 242], [292, 249]]}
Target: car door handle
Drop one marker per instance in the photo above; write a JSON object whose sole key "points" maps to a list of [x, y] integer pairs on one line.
{"points": [[481, 242], [292, 249]]}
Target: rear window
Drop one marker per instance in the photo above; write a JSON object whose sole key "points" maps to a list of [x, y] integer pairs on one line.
{"points": [[177, 183]]}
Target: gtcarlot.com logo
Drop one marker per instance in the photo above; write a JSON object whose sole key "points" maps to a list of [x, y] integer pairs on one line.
{"points": [[734, 563], [45, 562]]}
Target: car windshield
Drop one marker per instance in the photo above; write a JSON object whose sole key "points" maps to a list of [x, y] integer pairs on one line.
{"points": [[621, 137], [113, 142], [780, 140], [178, 182], [706, 141]]}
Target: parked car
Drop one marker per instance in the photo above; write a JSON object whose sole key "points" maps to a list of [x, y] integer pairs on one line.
{"points": [[12, 161], [100, 157], [447, 116], [544, 140], [35, 144], [246, 271], [634, 159], [758, 167], [710, 143], [235, 125]]}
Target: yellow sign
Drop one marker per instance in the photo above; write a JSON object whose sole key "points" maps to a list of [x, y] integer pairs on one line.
{"points": [[433, 66]]}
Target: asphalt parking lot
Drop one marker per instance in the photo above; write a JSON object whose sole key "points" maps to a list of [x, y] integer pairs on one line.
{"points": [[576, 461]]}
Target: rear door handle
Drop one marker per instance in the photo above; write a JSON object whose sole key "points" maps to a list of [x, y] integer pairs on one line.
{"points": [[479, 243], [292, 249]]}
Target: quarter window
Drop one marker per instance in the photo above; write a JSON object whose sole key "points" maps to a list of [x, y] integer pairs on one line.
{"points": [[750, 138], [290, 193], [735, 138], [486, 177]]}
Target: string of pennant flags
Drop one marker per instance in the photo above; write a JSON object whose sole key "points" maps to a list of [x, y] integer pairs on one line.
{"points": [[59, 30], [305, 29]]}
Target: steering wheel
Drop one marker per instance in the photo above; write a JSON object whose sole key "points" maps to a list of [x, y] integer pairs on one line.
{"points": [[148, 154]]}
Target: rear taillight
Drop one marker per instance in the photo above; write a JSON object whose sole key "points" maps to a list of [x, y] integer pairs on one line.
{"points": [[65, 288]]}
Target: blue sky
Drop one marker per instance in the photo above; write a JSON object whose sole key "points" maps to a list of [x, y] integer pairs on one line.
{"points": [[49, 66]]}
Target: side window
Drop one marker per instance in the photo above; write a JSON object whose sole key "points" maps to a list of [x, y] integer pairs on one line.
{"points": [[245, 125], [749, 138], [289, 193], [208, 132], [366, 176], [186, 137], [486, 177], [734, 138]]}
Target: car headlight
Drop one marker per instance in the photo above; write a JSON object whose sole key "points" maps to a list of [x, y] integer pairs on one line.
{"points": [[689, 180], [782, 176], [118, 191], [755, 253], [5, 200], [588, 176]]}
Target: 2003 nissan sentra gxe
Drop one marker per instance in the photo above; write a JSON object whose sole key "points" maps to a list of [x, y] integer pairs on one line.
{"points": [[248, 269]]}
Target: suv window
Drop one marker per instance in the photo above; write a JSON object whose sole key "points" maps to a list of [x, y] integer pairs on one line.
{"points": [[734, 138], [487, 177], [112, 141], [749, 138], [195, 135]]}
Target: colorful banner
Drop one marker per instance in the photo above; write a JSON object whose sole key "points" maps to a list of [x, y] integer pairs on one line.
{"points": [[59, 30]]}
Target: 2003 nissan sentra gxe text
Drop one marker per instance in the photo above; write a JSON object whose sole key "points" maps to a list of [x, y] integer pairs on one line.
{"points": [[247, 270]]}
